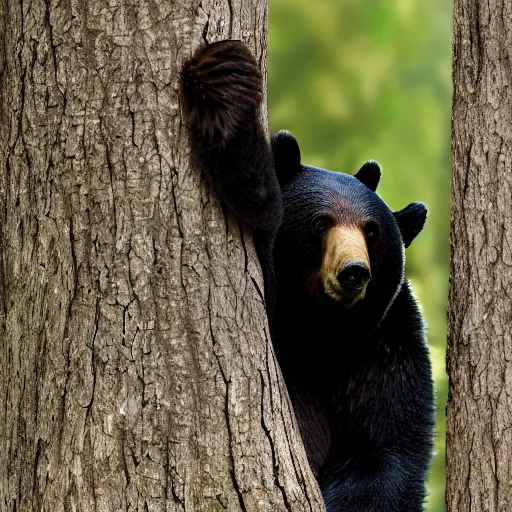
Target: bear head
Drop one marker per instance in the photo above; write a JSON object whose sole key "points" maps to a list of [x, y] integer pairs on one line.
{"points": [[340, 244]]}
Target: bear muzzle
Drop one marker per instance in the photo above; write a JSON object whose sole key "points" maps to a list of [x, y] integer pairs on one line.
{"points": [[345, 271], [353, 277]]}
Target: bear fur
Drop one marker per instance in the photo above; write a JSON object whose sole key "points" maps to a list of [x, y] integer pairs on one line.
{"points": [[346, 328]]}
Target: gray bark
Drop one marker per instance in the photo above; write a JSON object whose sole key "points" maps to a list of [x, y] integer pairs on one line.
{"points": [[479, 411], [137, 373]]}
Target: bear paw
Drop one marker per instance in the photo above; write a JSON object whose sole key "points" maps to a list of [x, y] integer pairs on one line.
{"points": [[222, 87]]}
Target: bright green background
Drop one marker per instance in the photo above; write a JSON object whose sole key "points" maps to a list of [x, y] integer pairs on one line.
{"points": [[355, 80]]}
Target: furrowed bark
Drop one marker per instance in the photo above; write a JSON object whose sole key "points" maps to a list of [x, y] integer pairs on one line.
{"points": [[137, 373], [479, 427]]}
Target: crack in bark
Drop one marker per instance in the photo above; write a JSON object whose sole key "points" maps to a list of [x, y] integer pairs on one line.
{"points": [[268, 435], [227, 383]]}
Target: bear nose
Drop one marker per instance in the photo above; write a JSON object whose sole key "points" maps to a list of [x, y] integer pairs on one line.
{"points": [[353, 276]]}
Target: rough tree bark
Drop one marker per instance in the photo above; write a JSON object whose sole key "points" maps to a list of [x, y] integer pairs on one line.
{"points": [[479, 429], [136, 367]]}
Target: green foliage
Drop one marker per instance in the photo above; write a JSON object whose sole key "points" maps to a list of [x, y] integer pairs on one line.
{"points": [[358, 80]]}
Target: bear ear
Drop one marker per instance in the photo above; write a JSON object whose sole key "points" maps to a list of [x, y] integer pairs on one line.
{"points": [[286, 155], [411, 221], [369, 174]]}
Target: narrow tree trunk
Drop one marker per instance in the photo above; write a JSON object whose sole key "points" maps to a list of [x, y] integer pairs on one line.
{"points": [[137, 373], [479, 429]]}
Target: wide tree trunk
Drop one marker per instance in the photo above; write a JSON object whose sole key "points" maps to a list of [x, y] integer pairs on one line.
{"points": [[479, 429], [137, 373]]}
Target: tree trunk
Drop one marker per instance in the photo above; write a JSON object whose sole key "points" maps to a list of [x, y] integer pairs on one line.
{"points": [[137, 372], [479, 429]]}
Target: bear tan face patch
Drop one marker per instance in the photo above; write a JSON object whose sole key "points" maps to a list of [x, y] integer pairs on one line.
{"points": [[345, 269]]}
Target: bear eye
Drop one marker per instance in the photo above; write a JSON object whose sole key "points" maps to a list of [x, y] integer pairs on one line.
{"points": [[371, 231], [321, 224]]}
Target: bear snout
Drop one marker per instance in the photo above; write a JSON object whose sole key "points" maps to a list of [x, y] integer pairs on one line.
{"points": [[353, 277], [345, 270]]}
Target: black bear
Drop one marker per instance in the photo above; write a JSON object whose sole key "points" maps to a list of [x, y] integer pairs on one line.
{"points": [[346, 328]]}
